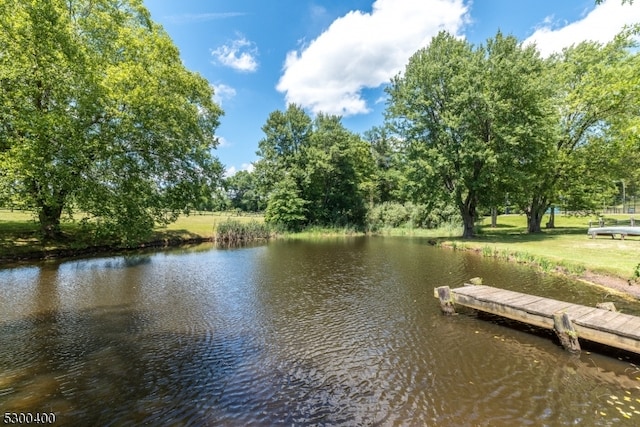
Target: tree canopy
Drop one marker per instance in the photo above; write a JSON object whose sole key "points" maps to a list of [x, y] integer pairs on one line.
{"points": [[471, 118], [98, 116], [314, 171], [595, 89]]}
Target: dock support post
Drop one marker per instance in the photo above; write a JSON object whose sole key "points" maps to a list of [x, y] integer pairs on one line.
{"points": [[446, 302], [566, 332]]}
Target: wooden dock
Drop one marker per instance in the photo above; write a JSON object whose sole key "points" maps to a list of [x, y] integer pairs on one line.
{"points": [[570, 321]]}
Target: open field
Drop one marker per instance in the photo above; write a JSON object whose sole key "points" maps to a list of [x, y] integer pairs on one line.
{"points": [[567, 246], [20, 236], [204, 224]]}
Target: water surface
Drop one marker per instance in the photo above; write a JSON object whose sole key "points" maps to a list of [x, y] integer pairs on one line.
{"points": [[332, 332]]}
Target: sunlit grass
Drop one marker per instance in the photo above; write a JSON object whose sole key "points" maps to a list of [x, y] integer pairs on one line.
{"points": [[204, 224], [20, 232], [568, 245]]}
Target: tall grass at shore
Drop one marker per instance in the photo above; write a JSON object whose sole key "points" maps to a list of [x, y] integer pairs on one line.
{"points": [[21, 238], [233, 231]]}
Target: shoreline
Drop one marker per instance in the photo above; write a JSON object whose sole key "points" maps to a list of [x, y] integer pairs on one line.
{"points": [[99, 250], [609, 282]]}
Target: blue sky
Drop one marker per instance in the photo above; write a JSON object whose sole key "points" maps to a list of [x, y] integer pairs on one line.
{"points": [[336, 56]]}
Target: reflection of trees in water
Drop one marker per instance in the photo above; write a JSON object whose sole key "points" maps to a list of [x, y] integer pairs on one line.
{"points": [[136, 260]]}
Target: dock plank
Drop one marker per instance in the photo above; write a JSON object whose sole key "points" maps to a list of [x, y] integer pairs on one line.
{"points": [[547, 307], [478, 291], [621, 323], [520, 300], [582, 312], [599, 325]]}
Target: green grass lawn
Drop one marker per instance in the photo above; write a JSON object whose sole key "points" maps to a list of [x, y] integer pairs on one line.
{"points": [[568, 244], [203, 225], [20, 235]]}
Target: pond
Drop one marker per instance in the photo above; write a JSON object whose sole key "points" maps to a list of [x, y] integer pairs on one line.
{"points": [[339, 331]]}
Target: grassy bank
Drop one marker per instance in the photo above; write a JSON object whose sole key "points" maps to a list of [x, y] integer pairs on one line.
{"points": [[20, 236], [566, 247]]}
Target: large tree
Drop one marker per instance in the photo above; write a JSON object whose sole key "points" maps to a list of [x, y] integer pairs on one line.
{"points": [[338, 174], [98, 115], [325, 170], [473, 119], [242, 191], [286, 134], [596, 88]]}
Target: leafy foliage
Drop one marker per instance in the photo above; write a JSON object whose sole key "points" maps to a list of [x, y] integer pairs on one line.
{"points": [[595, 91], [389, 180], [243, 192], [314, 171], [394, 215], [470, 117], [106, 121], [285, 207]]}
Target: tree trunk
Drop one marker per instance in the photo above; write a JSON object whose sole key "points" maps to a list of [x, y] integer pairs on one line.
{"points": [[49, 212], [467, 209], [534, 218], [49, 216], [552, 218], [535, 211], [469, 226], [494, 217], [468, 212]]}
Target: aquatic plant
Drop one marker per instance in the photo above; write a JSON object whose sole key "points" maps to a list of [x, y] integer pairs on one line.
{"points": [[487, 251], [233, 231]]}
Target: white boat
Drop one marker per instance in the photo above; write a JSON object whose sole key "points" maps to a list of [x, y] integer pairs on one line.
{"points": [[623, 231]]}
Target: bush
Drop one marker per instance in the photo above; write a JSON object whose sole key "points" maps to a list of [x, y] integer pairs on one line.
{"points": [[388, 214], [394, 215], [285, 208]]}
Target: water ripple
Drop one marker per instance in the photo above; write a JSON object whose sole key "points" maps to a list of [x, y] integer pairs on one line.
{"points": [[343, 332]]}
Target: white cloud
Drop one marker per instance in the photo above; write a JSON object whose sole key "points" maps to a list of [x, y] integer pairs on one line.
{"points": [[221, 92], [232, 170], [239, 54], [364, 50], [600, 25], [223, 142]]}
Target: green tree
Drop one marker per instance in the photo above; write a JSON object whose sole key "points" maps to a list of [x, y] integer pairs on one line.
{"points": [[596, 86], [338, 171], [99, 116], [285, 207], [331, 167], [286, 135], [389, 180], [242, 190], [470, 118]]}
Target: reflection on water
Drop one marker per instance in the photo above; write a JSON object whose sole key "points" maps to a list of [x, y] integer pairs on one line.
{"points": [[336, 332]]}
